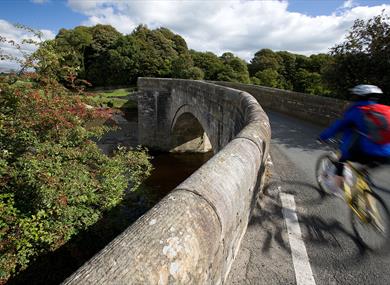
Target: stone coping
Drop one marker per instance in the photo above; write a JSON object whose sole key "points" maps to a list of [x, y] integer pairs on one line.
{"points": [[192, 236], [316, 109]]}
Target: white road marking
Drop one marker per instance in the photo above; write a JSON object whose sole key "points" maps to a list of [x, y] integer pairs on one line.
{"points": [[303, 273]]}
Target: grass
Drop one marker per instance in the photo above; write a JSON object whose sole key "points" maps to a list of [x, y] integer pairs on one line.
{"points": [[106, 98], [115, 93], [109, 99]]}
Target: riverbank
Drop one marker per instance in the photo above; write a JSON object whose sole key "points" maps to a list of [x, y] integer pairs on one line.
{"points": [[169, 171]]}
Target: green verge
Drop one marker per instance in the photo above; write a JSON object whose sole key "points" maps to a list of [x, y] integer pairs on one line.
{"points": [[114, 103], [110, 99], [115, 92]]}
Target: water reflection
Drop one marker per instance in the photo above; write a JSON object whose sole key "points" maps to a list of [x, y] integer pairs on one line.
{"points": [[170, 169]]}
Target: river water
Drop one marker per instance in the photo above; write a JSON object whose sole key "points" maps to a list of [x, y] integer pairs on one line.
{"points": [[170, 170]]}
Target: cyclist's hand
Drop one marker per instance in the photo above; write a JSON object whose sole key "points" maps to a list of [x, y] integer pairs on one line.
{"points": [[320, 141]]}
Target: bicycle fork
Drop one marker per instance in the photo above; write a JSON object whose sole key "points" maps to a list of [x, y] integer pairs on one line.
{"points": [[357, 201]]}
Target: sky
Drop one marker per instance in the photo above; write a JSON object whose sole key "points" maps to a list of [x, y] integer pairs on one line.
{"points": [[239, 26]]}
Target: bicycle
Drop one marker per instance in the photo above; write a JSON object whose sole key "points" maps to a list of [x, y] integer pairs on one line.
{"points": [[370, 216]]}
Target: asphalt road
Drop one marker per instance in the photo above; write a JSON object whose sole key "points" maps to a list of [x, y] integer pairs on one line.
{"points": [[334, 255]]}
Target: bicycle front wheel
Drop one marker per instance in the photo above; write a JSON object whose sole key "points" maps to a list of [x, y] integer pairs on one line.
{"points": [[325, 170], [371, 222]]}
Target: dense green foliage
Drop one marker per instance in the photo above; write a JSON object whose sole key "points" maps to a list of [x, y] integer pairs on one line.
{"points": [[103, 56], [54, 180], [290, 71], [364, 57]]}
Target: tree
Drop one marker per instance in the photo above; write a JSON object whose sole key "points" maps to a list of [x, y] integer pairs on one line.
{"points": [[99, 69], [156, 52], [319, 62], [208, 62], [310, 82], [117, 65], [234, 69], [178, 43], [195, 73], [76, 41], [103, 37], [277, 67], [269, 77], [49, 63], [288, 69], [363, 57], [264, 59], [103, 56], [183, 67]]}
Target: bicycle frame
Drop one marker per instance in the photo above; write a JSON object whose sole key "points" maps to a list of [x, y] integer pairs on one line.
{"points": [[354, 190], [354, 193]]}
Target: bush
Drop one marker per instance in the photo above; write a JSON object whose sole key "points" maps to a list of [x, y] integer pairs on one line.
{"points": [[54, 181]]}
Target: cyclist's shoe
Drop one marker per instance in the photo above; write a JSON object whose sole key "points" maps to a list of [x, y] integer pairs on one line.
{"points": [[333, 188], [338, 192]]}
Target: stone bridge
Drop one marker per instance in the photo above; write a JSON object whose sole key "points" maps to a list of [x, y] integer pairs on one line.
{"points": [[192, 236], [182, 115]]}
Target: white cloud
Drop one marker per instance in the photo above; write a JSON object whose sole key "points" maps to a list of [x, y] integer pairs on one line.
{"points": [[348, 4], [10, 32], [242, 27]]}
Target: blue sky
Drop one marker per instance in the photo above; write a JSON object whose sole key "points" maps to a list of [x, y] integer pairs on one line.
{"points": [[239, 26], [325, 7], [52, 15]]}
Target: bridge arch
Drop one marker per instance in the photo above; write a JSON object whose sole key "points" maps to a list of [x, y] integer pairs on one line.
{"points": [[187, 131]]}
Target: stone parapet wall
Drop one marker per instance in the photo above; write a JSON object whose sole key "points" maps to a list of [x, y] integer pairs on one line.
{"points": [[192, 236], [218, 109], [317, 109]]}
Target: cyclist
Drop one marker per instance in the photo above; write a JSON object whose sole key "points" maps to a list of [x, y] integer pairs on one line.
{"points": [[358, 144]]}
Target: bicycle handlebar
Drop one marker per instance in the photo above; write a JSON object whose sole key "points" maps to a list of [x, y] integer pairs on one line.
{"points": [[331, 142]]}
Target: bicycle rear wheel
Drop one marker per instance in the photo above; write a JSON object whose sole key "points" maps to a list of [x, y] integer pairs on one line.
{"points": [[373, 228], [325, 167]]}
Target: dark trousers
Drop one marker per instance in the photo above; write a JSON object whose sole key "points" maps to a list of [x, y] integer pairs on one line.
{"points": [[357, 155]]}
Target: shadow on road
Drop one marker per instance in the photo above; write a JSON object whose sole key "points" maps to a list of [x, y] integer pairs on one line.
{"points": [[316, 230], [294, 133]]}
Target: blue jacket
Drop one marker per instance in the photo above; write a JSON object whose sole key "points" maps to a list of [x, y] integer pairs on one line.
{"points": [[351, 124]]}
